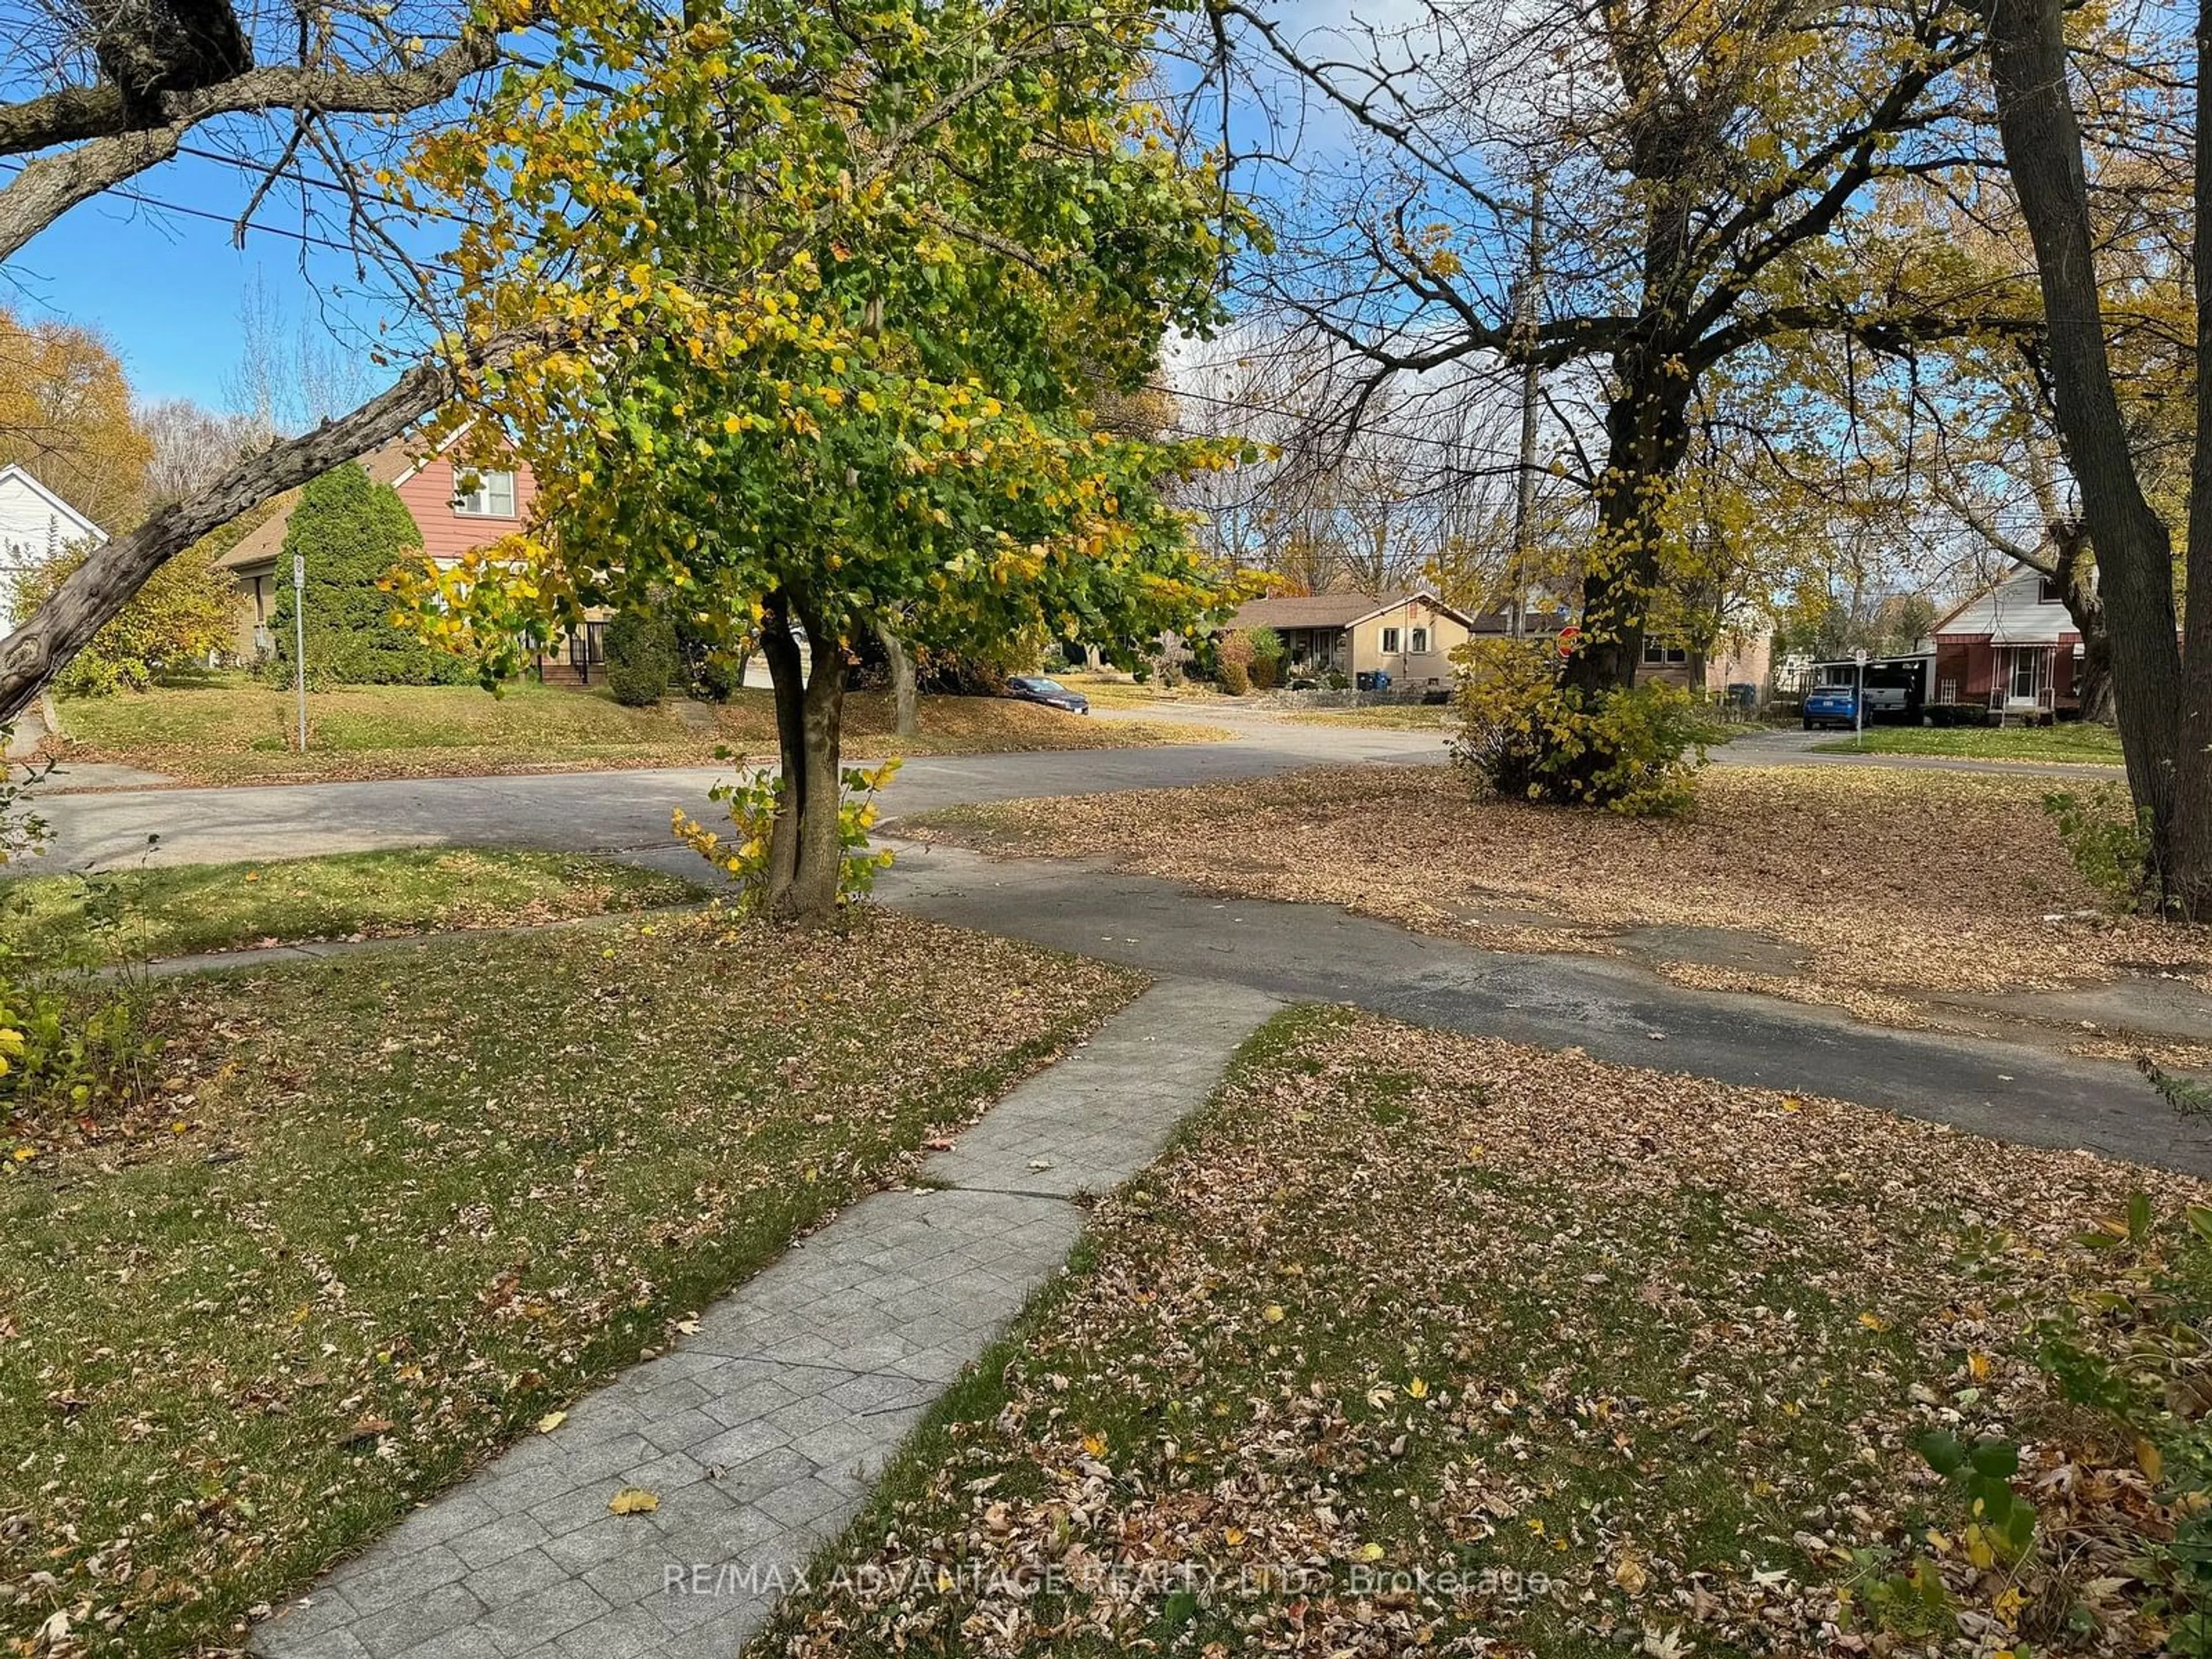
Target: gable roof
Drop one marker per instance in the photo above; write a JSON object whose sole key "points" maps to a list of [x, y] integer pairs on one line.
{"points": [[391, 463], [80, 526], [1336, 610], [2010, 611]]}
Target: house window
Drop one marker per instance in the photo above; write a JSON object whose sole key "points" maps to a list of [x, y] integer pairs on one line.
{"points": [[492, 498], [2046, 591], [1420, 640], [1657, 655], [1389, 641]]}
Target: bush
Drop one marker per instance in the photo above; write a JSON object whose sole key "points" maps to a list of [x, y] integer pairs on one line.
{"points": [[184, 612], [353, 533], [1525, 734], [753, 801], [1264, 672], [704, 667], [72, 1048], [641, 657], [1232, 662], [78, 1049], [2108, 841]]}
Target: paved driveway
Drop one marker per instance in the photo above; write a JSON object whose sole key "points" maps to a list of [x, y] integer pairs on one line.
{"points": [[1296, 951], [1611, 1009]]}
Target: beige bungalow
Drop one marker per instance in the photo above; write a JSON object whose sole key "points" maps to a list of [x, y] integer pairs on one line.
{"points": [[1741, 656], [1408, 636]]}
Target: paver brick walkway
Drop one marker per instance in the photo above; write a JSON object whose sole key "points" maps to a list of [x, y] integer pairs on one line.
{"points": [[761, 1433]]}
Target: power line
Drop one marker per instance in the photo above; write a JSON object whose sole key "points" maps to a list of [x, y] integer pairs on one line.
{"points": [[307, 238], [352, 192]]}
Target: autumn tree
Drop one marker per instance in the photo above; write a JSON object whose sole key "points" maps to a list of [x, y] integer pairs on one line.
{"points": [[2162, 680], [1710, 178], [854, 281], [1418, 491], [193, 445], [65, 417]]}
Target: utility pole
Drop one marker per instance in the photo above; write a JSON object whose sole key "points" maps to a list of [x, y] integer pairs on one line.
{"points": [[300, 640], [1527, 311]]}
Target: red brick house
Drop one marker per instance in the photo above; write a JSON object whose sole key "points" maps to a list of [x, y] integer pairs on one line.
{"points": [[452, 521], [2012, 650]]}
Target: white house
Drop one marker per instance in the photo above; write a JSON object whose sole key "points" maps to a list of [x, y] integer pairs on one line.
{"points": [[35, 523]]}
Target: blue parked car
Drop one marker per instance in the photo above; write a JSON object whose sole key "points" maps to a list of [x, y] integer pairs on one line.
{"points": [[1832, 705]]}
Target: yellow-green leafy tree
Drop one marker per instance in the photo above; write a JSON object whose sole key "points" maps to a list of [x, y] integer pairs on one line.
{"points": [[835, 296], [65, 417]]}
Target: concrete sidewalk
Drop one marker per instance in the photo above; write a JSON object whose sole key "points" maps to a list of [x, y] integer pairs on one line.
{"points": [[761, 1434]]}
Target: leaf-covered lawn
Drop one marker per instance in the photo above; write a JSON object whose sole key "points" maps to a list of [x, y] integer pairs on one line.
{"points": [[230, 730], [2076, 740], [180, 910], [1885, 882], [394, 1208], [1623, 1362]]}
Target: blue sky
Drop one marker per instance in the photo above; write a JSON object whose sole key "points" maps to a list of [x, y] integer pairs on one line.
{"points": [[166, 287]]}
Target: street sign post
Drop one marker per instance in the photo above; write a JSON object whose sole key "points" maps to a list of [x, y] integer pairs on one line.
{"points": [[1858, 702], [299, 641]]}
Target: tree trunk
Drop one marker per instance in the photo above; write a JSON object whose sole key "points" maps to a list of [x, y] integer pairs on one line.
{"points": [[2189, 877], [2135, 555], [907, 720], [1648, 434], [805, 857], [2071, 573], [787, 676]]}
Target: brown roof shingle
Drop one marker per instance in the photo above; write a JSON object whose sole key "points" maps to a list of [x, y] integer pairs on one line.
{"points": [[1328, 610]]}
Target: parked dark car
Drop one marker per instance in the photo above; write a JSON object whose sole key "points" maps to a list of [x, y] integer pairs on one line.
{"points": [[1034, 687]]}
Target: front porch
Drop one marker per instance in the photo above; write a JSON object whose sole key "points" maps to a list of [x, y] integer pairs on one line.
{"points": [[2031, 684]]}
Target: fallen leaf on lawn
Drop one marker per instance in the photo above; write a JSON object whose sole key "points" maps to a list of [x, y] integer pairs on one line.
{"points": [[1629, 1575], [633, 1500], [369, 1428]]}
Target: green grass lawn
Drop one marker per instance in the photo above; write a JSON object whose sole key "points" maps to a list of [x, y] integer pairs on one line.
{"points": [[390, 1209], [2074, 740], [230, 729], [1384, 716], [176, 910], [1622, 1361]]}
